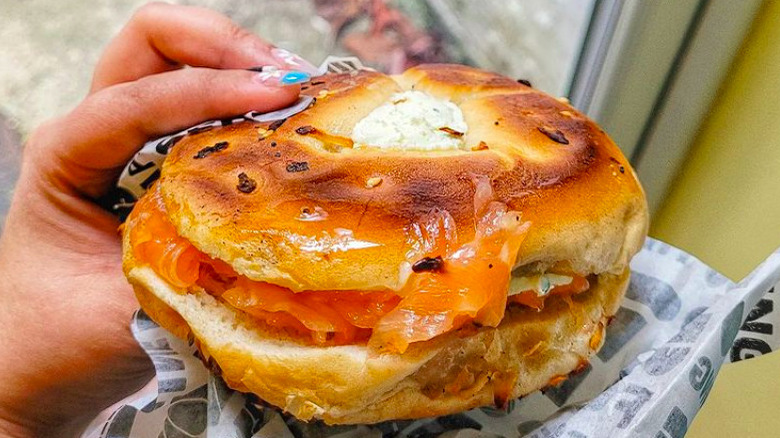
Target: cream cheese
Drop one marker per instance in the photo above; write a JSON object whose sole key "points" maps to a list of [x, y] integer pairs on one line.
{"points": [[412, 120], [541, 284]]}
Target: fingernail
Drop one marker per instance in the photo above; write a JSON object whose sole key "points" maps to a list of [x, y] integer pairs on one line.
{"points": [[280, 78], [295, 77], [295, 62]]}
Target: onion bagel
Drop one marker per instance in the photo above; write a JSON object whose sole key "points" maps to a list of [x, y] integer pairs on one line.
{"points": [[407, 246]]}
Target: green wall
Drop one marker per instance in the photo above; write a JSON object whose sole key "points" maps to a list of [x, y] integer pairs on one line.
{"points": [[725, 204], [725, 208]]}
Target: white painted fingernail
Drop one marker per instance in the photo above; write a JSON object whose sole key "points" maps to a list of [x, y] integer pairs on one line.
{"points": [[293, 61]]}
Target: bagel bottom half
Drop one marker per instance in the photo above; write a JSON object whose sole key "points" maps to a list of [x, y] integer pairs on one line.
{"points": [[348, 384]]}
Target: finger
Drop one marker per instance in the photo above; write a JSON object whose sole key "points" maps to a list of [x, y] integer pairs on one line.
{"points": [[162, 37], [92, 144]]}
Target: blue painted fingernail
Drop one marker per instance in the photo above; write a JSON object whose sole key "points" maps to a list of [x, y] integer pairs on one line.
{"points": [[295, 77]]}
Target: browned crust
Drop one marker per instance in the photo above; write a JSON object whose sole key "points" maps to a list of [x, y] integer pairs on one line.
{"points": [[586, 208]]}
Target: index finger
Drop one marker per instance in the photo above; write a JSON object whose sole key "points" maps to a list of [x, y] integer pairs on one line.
{"points": [[84, 151], [162, 37]]}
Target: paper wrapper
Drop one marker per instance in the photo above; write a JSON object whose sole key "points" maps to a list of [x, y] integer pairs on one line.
{"points": [[678, 323]]}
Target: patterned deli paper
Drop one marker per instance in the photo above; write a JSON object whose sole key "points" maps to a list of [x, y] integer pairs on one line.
{"points": [[678, 323]]}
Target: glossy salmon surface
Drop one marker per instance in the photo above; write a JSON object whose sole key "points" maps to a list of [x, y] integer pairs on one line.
{"points": [[447, 288]]}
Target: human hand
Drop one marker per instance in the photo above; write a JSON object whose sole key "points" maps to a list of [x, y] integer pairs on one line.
{"points": [[66, 351]]}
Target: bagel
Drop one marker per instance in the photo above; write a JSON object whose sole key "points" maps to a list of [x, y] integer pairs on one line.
{"points": [[407, 246]]}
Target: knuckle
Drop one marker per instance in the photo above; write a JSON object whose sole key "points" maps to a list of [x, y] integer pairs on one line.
{"points": [[234, 32], [149, 12], [112, 106], [238, 37], [134, 93], [38, 141], [44, 151], [212, 87], [210, 79]]}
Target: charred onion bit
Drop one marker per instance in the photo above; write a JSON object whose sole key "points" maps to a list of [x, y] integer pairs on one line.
{"points": [[480, 147], [245, 183], [297, 166], [275, 125], [208, 150], [307, 129], [451, 131], [426, 264], [554, 134]]}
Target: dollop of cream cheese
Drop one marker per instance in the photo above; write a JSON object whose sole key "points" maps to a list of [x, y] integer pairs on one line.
{"points": [[412, 120]]}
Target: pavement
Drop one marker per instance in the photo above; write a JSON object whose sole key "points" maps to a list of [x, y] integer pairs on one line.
{"points": [[49, 49], [47, 66]]}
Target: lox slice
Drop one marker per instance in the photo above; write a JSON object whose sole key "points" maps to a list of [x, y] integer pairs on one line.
{"points": [[469, 287]]}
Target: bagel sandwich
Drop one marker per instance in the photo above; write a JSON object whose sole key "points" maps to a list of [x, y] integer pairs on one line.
{"points": [[408, 246]]}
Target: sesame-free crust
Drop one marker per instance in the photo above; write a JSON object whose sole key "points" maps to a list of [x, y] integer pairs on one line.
{"points": [[587, 212]]}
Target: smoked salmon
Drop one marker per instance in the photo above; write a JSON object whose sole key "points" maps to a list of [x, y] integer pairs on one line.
{"points": [[456, 285], [470, 284]]}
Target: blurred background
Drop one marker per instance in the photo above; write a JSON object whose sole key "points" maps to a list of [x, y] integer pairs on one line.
{"points": [[690, 90]]}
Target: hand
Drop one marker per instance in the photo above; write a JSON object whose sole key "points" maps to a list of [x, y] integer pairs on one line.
{"points": [[66, 350]]}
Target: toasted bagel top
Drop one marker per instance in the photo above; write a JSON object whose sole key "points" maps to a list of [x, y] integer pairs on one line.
{"points": [[294, 204]]}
